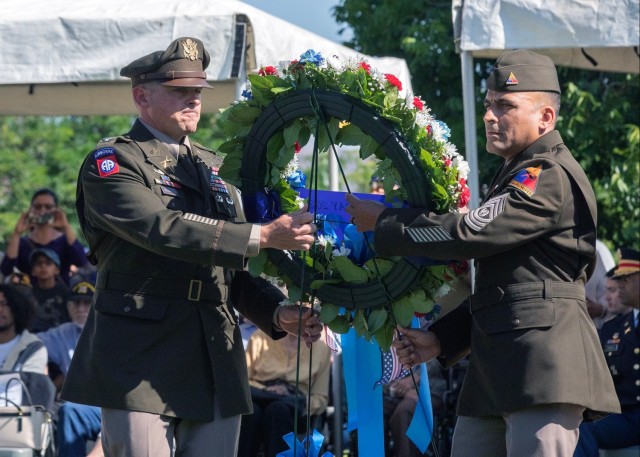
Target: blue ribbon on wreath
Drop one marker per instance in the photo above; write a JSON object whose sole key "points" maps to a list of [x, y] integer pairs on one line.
{"points": [[315, 444]]}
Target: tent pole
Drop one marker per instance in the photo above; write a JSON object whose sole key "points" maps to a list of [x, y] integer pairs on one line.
{"points": [[470, 137]]}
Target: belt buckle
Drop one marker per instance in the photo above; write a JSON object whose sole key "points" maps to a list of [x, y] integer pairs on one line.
{"points": [[194, 292]]}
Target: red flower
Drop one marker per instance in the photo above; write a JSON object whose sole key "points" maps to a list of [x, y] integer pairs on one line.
{"points": [[366, 67], [465, 194], [447, 163], [417, 103], [393, 80], [419, 314], [297, 147], [268, 70], [429, 129]]}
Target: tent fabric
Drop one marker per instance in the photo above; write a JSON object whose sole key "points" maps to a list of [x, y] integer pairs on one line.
{"points": [[65, 56], [590, 34]]}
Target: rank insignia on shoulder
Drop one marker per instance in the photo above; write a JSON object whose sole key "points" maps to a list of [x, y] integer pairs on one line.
{"points": [[106, 161], [527, 180], [480, 217]]}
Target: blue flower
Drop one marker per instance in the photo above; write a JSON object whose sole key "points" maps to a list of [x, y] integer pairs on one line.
{"points": [[312, 57], [247, 94], [297, 180]]}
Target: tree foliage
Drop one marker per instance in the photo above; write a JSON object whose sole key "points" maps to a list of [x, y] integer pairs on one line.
{"points": [[38, 151], [599, 117]]}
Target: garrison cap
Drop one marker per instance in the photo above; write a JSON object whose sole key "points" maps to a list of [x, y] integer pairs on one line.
{"points": [[629, 263], [82, 290], [182, 64], [523, 71]]}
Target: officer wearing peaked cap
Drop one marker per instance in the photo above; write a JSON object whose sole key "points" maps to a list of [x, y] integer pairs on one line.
{"points": [[620, 339], [161, 353], [535, 363]]}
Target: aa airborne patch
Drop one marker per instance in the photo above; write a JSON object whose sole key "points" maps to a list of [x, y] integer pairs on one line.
{"points": [[527, 180], [479, 218], [106, 161]]}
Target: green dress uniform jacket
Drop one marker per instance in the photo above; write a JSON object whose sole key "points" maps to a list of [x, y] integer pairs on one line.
{"points": [[162, 336], [527, 327]]}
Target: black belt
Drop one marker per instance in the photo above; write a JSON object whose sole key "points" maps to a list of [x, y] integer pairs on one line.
{"points": [[546, 290], [184, 288]]}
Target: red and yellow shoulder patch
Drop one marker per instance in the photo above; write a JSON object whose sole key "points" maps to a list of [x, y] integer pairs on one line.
{"points": [[527, 180]]}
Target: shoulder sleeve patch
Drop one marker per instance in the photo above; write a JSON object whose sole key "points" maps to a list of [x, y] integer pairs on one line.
{"points": [[106, 161], [526, 180], [480, 217]]}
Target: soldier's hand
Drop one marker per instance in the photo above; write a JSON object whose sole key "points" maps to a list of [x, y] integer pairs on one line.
{"points": [[287, 319], [364, 213], [293, 231], [416, 346]]}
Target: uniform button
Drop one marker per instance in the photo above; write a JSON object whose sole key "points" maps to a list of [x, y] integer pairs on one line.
{"points": [[636, 366], [127, 309], [213, 338], [516, 321], [636, 351], [637, 382]]}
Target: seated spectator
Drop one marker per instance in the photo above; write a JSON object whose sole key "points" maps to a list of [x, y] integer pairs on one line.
{"points": [[400, 402], [595, 288], [620, 339], [77, 424], [612, 296], [20, 350], [46, 226], [49, 290], [272, 376]]}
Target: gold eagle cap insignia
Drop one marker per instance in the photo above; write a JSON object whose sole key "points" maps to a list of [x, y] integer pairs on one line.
{"points": [[190, 49]]}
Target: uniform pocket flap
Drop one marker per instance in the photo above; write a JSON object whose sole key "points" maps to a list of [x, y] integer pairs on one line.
{"points": [[519, 315], [130, 305]]}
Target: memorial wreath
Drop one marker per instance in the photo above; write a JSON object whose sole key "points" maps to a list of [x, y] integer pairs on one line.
{"points": [[343, 103]]}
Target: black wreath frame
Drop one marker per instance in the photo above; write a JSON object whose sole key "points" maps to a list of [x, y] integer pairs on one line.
{"points": [[404, 275]]}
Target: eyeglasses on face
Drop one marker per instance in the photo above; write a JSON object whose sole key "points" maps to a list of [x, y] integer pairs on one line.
{"points": [[46, 206]]}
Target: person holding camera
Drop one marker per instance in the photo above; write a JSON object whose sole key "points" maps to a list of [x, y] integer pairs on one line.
{"points": [[46, 226]]}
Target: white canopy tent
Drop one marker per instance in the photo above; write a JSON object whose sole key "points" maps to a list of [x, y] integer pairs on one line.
{"points": [[64, 56], [600, 35]]}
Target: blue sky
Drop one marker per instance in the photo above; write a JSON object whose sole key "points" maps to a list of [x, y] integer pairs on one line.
{"points": [[313, 15]]}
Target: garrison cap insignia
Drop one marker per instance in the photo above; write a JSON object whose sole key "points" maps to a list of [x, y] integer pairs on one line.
{"points": [[511, 80], [189, 49], [527, 180], [480, 217], [106, 161]]}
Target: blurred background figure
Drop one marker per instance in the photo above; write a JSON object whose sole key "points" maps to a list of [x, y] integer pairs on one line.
{"points": [[76, 424], [596, 287], [20, 350], [272, 376], [620, 339], [49, 290], [45, 226]]}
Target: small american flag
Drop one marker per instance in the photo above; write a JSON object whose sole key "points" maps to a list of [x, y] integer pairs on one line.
{"points": [[332, 340], [391, 367]]}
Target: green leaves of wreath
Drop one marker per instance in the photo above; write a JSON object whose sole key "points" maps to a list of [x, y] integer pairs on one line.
{"points": [[343, 104]]}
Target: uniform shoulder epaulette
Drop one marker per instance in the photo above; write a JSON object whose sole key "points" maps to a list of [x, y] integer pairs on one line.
{"points": [[112, 140], [203, 148]]}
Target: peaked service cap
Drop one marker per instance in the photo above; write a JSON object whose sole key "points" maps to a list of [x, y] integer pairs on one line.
{"points": [[182, 64]]}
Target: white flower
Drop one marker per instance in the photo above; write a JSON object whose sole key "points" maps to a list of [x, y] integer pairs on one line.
{"points": [[463, 166], [443, 290], [342, 251], [326, 239]]}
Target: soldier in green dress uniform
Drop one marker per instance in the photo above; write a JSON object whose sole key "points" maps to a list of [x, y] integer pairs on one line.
{"points": [[536, 365], [161, 352]]}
